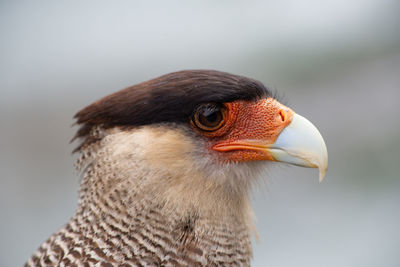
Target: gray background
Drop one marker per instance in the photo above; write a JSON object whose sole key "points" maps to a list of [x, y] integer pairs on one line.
{"points": [[337, 62]]}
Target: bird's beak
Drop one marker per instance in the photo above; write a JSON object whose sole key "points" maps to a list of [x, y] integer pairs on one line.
{"points": [[300, 143], [295, 141]]}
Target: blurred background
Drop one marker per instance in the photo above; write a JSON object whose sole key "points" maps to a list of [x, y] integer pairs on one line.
{"points": [[336, 62]]}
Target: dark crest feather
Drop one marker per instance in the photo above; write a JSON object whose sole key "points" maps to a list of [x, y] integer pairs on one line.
{"points": [[168, 98]]}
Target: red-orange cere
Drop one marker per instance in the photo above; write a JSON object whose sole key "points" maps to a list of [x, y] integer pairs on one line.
{"points": [[250, 127]]}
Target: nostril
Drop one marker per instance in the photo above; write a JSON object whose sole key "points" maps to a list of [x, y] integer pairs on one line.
{"points": [[282, 113]]}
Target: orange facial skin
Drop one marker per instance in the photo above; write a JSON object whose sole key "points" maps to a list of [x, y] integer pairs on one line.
{"points": [[249, 128]]}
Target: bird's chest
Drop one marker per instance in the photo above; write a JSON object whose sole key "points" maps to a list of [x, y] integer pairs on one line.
{"points": [[152, 240]]}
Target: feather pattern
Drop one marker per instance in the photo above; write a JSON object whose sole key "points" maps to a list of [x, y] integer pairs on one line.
{"points": [[134, 212], [151, 194]]}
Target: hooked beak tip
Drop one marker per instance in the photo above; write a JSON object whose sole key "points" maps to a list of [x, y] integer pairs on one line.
{"points": [[300, 143]]}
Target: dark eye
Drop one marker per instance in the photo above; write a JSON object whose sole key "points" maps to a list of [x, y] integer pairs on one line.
{"points": [[209, 117]]}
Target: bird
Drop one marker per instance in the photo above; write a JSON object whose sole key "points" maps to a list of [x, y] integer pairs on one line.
{"points": [[167, 167]]}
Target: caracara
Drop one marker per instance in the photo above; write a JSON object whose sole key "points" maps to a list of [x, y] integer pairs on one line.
{"points": [[167, 166]]}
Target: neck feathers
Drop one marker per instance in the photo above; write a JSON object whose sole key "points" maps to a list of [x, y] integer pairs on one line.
{"points": [[154, 186], [167, 165]]}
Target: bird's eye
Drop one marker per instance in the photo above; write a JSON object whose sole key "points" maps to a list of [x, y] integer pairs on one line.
{"points": [[209, 117]]}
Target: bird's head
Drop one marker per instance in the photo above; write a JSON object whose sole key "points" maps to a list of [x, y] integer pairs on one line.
{"points": [[197, 135]]}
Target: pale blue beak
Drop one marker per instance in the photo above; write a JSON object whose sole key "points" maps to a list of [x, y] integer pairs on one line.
{"points": [[300, 143]]}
